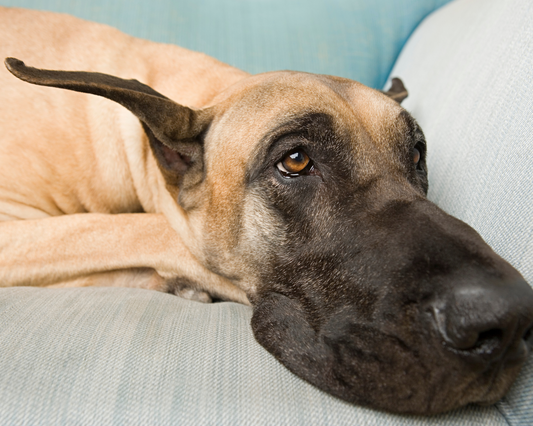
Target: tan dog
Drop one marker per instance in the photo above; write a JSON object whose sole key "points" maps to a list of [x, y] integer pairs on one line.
{"points": [[303, 195]]}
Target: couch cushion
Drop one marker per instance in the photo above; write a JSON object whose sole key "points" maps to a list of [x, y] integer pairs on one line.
{"points": [[468, 69], [105, 356], [351, 38]]}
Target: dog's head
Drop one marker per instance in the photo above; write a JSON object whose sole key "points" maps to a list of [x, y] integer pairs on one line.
{"points": [[308, 192]]}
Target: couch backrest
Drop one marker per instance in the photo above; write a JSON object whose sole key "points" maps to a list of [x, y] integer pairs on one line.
{"points": [[357, 39]]}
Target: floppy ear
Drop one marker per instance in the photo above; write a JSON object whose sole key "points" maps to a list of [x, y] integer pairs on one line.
{"points": [[173, 129], [397, 91]]}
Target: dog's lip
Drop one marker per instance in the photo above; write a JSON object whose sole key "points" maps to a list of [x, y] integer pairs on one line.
{"points": [[518, 355]]}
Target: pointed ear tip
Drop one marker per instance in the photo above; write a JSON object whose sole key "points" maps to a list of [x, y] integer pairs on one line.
{"points": [[397, 90], [401, 96], [13, 64], [397, 83]]}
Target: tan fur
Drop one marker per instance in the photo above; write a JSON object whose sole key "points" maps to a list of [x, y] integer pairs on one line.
{"points": [[74, 168]]}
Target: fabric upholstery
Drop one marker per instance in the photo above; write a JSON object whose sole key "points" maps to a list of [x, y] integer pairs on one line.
{"points": [[124, 356], [468, 69], [102, 356], [358, 39]]}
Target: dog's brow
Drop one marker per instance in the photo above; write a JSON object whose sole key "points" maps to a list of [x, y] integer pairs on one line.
{"points": [[413, 128], [300, 123], [308, 125]]}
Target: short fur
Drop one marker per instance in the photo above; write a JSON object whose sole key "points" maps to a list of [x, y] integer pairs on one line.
{"points": [[359, 284]]}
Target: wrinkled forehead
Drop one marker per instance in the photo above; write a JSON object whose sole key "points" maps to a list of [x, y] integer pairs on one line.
{"points": [[257, 106]]}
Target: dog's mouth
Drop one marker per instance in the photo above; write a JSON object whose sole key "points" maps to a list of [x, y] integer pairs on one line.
{"points": [[406, 369], [499, 376], [415, 373], [504, 374]]}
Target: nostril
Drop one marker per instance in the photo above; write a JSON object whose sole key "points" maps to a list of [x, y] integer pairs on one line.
{"points": [[458, 335], [482, 343], [488, 341], [466, 338]]}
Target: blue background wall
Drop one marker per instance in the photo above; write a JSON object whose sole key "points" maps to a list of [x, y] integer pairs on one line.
{"points": [[358, 39]]}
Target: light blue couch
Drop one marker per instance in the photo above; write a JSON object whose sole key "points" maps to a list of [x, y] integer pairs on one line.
{"points": [[123, 356]]}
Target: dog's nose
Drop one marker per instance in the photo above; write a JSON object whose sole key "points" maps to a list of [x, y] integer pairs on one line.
{"points": [[488, 321]]}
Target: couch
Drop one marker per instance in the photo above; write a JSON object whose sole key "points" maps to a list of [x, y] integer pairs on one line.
{"points": [[109, 356]]}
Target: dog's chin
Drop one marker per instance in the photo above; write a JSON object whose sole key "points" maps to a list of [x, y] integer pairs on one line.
{"points": [[409, 376], [499, 380], [484, 390], [492, 385], [365, 365]]}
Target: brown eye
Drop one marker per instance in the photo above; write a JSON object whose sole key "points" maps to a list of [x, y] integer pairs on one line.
{"points": [[294, 163], [416, 155]]}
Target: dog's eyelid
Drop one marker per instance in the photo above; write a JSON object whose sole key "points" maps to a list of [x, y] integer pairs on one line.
{"points": [[286, 144]]}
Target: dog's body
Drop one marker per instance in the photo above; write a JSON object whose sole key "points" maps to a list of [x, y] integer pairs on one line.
{"points": [[303, 195], [89, 155]]}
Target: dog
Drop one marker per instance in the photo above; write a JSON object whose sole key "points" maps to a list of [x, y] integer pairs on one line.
{"points": [[302, 195]]}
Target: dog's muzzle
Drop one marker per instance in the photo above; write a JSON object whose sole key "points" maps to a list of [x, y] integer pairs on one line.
{"points": [[422, 317]]}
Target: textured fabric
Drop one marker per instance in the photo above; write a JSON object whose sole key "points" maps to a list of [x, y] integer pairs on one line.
{"points": [[358, 39], [105, 356], [469, 71]]}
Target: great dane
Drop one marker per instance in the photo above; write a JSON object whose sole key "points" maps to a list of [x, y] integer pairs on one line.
{"points": [[302, 195]]}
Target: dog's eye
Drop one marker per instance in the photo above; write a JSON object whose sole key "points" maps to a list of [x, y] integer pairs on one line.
{"points": [[417, 155], [294, 164]]}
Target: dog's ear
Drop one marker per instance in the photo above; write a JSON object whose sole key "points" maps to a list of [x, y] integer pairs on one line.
{"points": [[397, 90], [174, 130]]}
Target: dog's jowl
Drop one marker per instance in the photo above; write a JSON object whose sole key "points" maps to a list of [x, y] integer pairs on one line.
{"points": [[303, 195]]}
